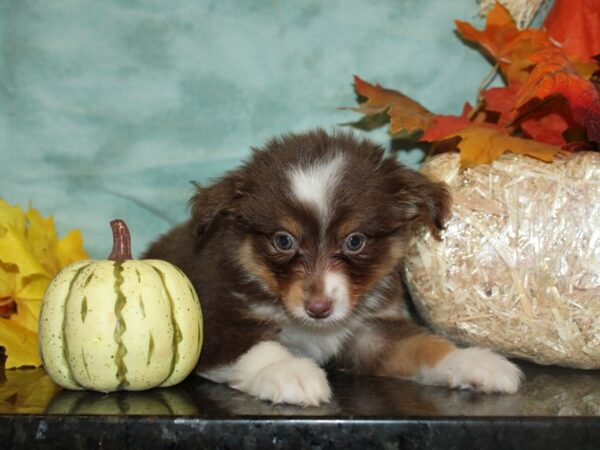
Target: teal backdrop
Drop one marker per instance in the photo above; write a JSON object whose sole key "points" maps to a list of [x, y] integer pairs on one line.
{"points": [[110, 108]]}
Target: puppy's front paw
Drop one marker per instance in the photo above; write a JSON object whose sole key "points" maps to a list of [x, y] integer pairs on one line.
{"points": [[474, 368], [297, 381]]}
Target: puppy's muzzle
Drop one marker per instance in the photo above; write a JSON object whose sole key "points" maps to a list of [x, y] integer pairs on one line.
{"points": [[318, 307]]}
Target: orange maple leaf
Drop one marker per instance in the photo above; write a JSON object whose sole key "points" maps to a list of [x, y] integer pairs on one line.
{"points": [[504, 42], [481, 144], [404, 112], [554, 75]]}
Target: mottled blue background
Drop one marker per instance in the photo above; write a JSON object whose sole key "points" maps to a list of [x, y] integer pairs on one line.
{"points": [[110, 108]]}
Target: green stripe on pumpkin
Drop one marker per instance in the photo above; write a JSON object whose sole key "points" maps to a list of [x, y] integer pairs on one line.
{"points": [[199, 341], [177, 336], [65, 346], [120, 327], [87, 370], [142, 307], [83, 309], [88, 279], [150, 349], [140, 299]]}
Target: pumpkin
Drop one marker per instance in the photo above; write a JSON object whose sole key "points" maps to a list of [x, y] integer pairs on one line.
{"points": [[120, 324]]}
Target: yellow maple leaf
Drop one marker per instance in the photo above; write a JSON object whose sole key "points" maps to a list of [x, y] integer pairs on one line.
{"points": [[30, 255], [20, 344], [480, 144]]}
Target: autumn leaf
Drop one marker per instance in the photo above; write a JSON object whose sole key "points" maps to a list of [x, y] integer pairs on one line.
{"points": [[575, 26], [505, 43], [501, 100], [30, 255], [482, 142], [543, 122], [20, 344], [547, 128], [548, 121], [445, 125], [554, 74], [550, 102], [500, 30], [405, 113], [479, 144]]}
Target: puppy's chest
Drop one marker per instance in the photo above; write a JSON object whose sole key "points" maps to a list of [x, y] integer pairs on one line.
{"points": [[318, 345]]}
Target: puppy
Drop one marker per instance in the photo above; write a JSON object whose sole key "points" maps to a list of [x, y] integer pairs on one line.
{"points": [[297, 260]]}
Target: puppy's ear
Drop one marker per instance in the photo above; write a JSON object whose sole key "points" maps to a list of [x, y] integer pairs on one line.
{"points": [[421, 201], [219, 200]]}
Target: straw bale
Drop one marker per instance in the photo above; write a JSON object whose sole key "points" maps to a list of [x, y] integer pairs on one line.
{"points": [[518, 266]]}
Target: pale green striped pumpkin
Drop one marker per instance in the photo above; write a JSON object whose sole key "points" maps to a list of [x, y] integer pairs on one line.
{"points": [[120, 325]]}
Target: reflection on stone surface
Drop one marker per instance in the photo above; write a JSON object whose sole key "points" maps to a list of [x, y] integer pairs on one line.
{"points": [[155, 402], [229, 402], [26, 391], [547, 391]]}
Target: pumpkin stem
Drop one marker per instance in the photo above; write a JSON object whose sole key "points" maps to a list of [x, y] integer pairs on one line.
{"points": [[121, 250]]}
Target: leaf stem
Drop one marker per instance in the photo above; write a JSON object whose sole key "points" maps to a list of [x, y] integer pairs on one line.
{"points": [[482, 87]]}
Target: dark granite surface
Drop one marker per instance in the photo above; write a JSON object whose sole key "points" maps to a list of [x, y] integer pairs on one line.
{"points": [[555, 408]]}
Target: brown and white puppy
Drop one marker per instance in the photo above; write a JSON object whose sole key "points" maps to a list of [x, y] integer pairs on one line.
{"points": [[297, 260]]}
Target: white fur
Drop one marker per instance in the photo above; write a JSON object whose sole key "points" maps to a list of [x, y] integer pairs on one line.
{"points": [[473, 368], [239, 296], [336, 288], [378, 294], [267, 312], [367, 341], [317, 344], [270, 372], [251, 278], [315, 184]]}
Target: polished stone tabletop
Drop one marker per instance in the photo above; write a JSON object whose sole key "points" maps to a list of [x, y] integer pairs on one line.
{"points": [[554, 407]]}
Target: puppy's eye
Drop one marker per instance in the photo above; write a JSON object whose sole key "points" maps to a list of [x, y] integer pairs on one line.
{"points": [[355, 243], [284, 242]]}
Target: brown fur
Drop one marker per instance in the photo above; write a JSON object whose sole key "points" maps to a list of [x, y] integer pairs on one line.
{"points": [[226, 248]]}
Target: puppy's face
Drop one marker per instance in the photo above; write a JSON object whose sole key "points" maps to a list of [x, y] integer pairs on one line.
{"points": [[322, 220]]}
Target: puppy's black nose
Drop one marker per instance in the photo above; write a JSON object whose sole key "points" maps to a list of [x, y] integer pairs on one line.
{"points": [[318, 308]]}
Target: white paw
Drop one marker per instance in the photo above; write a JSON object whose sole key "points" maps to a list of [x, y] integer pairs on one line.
{"points": [[474, 368], [297, 381]]}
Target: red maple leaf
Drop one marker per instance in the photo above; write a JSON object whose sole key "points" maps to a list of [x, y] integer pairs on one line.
{"points": [[501, 100], [446, 125], [575, 26], [555, 75]]}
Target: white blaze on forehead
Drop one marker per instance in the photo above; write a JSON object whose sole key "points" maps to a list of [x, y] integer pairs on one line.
{"points": [[336, 288], [315, 184]]}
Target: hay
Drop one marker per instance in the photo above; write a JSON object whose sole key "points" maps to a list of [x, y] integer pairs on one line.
{"points": [[518, 269]]}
